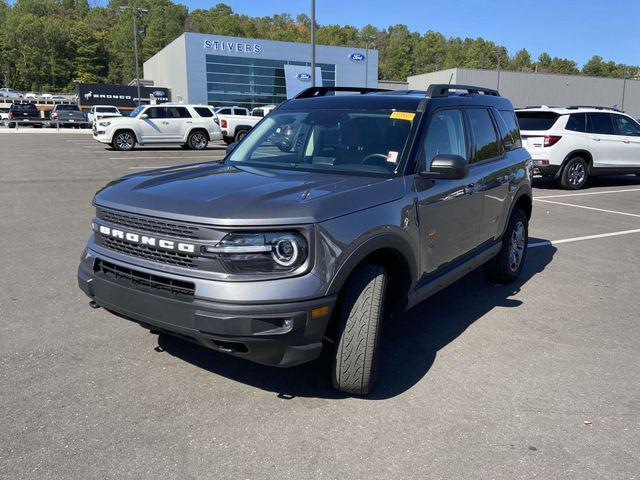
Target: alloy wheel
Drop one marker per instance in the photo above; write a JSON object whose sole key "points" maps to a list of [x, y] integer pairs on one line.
{"points": [[516, 247], [577, 174]]}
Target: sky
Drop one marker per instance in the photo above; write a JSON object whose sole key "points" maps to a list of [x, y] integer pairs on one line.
{"points": [[574, 29]]}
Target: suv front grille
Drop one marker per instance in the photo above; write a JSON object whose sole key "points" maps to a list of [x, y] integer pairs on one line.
{"points": [[148, 224], [148, 253], [141, 280]]}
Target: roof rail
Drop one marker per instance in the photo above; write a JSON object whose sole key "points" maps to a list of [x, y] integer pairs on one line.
{"points": [[322, 91], [443, 89], [595, 107]]}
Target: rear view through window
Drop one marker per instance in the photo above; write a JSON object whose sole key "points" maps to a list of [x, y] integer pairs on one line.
{"points": [[536, 120]]}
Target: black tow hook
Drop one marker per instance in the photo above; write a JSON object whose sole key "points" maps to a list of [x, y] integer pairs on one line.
{"points": [[93, 304]]}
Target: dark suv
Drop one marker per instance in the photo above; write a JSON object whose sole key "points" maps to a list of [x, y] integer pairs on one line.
{"points": [[273, 255], [25, 114]]}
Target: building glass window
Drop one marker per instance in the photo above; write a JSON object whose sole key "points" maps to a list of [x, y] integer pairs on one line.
{"points": [[253, 82]]}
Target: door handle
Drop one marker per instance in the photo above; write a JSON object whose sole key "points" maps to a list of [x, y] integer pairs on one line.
{"points": [[470, 189], [595, 138], [626, 141], [165, 123], [509, 177], [188, 121]]}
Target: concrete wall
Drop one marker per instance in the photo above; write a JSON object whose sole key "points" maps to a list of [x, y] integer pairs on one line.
{"points": [[393, 85], [168, 68], [543, 89]]}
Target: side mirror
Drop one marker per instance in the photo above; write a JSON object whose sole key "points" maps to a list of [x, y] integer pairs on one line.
{"points": [[447, 167], [231, 147], [144, 116]]}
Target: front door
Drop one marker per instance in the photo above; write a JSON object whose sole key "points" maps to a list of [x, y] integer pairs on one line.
{"points": [[607, 148], [629, 132], [155, 125], [449, 211]]}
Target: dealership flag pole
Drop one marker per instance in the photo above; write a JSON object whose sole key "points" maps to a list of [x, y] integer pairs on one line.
{"points": [[313, 43]]}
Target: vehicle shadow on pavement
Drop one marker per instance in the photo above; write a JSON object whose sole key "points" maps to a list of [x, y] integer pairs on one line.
{"points": [[159, 148], [409, 345], [592, 182]]}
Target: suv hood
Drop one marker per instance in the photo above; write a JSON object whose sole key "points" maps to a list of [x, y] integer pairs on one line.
{"points": [[246, 196]]}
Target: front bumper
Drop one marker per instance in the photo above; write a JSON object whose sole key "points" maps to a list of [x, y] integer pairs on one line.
{"points": [[278, 334]]}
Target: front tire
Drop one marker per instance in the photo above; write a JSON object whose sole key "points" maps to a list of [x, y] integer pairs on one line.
{"points": [[124, 141], [506, 266], [360, 317], [197, 140], [574, 174], [240, 134]]}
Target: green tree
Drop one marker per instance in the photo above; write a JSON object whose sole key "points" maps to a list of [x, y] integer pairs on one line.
{"points": [[522, 60]]}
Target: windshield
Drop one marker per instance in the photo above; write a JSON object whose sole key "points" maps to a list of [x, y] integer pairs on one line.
{"points": [[333, 141], [107, 110], [136, 111], [67, 107]]}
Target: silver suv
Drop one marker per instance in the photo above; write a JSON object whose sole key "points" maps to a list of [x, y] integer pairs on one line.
{"points": [[384, 199]]}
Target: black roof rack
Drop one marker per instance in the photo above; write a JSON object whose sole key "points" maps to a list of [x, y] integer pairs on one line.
{"points": [[322, 91], [595, 107], [443, 89]]}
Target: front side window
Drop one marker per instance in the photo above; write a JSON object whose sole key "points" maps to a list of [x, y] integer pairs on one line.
{"points": [[600, 123], [626, 126], [486, 142], [156, 112], [340, 141], [240, 111], [224, 111], [445, 136]]}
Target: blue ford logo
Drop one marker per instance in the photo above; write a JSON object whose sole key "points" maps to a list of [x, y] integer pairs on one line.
{"points": [[304, 77], [356, 57], [158, 93]]}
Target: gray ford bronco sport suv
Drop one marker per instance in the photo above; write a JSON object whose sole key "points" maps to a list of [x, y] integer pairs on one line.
{"points": [[384, 199]]}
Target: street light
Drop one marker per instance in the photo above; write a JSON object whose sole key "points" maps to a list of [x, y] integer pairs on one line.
{"points": [[367, 39], [313, 43], [134, 12]]}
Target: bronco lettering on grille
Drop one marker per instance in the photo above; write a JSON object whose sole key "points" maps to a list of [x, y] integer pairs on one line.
{"points": [[147, 240]]}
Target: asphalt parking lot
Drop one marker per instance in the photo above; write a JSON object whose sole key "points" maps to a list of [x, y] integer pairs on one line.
{"points": [[540, 379]]}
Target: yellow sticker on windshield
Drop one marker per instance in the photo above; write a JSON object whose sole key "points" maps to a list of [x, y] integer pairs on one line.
{"points": [[403, 115]]}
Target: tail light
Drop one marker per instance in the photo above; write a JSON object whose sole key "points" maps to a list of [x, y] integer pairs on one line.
{"points": [[551, 140], [223, 123]]}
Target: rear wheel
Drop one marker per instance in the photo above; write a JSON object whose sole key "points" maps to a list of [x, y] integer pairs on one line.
{"points": [[240, 134], [507, 264], [124, 140], [574, 174], [360, 316], [197, 140]]}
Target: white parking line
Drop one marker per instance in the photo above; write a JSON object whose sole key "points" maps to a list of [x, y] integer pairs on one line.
{"points": [[589, 193], [578, 239], [588, 208]]}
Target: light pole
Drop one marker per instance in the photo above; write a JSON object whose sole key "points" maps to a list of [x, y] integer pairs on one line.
{"points": [[366, 59], [313, 43], [134, 11], [498, 64]]}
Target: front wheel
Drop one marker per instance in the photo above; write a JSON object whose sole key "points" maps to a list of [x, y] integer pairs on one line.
{"points": [[240, 134], [197, 140], [507, 264], [574, 174], [124, 141], [360, 317]]}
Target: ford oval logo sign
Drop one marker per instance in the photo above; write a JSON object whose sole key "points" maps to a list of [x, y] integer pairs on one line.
{"points": [[356, 56], [305, 77], [158, 93]]}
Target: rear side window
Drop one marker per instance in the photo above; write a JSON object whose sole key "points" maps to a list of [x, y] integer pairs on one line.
{"points": [[538, 121], [487, 145], [600, 123], [576, 122], [510, 129], [178, 112], [204, 112]]}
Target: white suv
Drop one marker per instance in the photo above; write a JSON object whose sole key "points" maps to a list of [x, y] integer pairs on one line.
{"points": [[191, 126], [569, 144]]}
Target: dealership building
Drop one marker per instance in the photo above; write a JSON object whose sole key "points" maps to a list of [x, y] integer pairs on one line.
{"points": [[220, 70]]}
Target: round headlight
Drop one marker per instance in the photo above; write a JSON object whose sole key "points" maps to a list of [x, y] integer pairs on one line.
{"points": [[285, 252]]}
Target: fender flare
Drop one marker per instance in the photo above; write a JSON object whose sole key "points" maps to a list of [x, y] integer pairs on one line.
{"points": [[366, 248], [578, 151], [524, 190]]}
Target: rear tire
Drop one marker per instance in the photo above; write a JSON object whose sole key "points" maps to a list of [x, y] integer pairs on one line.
{"points": [[506, 266], [240, 134], [360, 317], [197, 140], [574, 174], [124, 140]]}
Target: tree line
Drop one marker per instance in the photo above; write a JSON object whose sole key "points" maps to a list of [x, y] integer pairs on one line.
{"points": [[48, 45]]}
